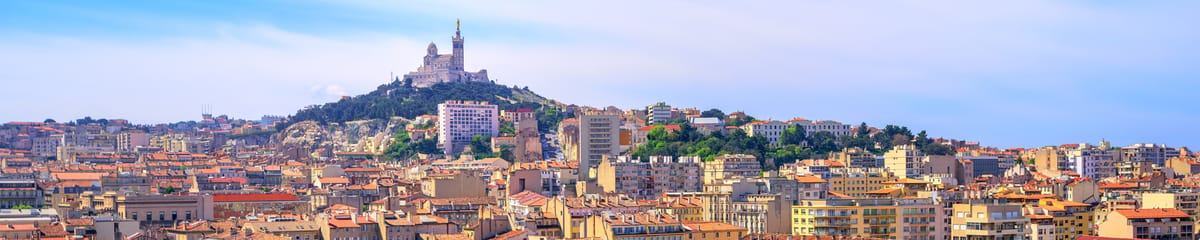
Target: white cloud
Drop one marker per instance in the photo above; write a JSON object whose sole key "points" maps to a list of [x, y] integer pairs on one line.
{"points": [[936, 65]]}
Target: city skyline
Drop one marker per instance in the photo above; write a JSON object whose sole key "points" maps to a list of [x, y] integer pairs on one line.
{"points": [[1057, 74]]}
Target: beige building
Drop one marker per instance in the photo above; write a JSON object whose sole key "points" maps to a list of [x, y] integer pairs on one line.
{"points": [[856, 182], [1158, 223], [453, 185], [731, 166], [869, 217], [987, 221], [649, 179], [598, 136], [904, 161], [1188, 202], [165, 210], [296, 230]]}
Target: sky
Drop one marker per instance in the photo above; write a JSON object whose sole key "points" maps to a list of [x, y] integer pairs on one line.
{"points": [[1006, 73]]}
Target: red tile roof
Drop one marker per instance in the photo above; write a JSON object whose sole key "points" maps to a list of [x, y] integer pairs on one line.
{"points": [[262, 197], [1152, 213]]}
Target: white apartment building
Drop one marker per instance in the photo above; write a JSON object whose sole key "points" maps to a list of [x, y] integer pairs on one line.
{"points": [[459, 121], [1156, 154], [659, 113], [810, 127], [768, 129]]}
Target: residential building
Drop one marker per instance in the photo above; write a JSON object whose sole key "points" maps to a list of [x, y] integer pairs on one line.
{"points": [[598, 136], [21, 192], [1156, 154], [731, 166], [1150, 223], [869, 217], [987, 220], [453, 185], [771, 130], [165, 210], [460, 121], [659, 113], [649, 179], [904, 161]]}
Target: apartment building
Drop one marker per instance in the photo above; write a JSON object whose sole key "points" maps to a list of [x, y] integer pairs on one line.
{"points": [[460, 121], [771, 130], [919, 219], [599, 135], [1156, 154], [1149, 223], [659, 113], [731, 166], [22, 192], [649, 179], [164, 210], [988, 220], [904, 161], [1186, 201], [857, 182]]}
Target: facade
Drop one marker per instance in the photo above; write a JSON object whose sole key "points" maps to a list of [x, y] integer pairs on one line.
{"points": [[731, 166], [453, 185], [904, 161], [440, 68], [768, 129], [23, 192], [856, 182], [867, 217], [1156, 154], [649, 179], [1157, 223], [599, 134], [164, 210], [460, 121], [987, 221], [240, 205], [836, 128], [659, 113]]}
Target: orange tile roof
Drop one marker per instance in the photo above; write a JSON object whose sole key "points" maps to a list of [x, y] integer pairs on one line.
{"points": [[1152, 213]]}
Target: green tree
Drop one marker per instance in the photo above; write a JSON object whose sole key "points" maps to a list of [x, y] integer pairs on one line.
{"points": [[717, 113], [823, 142], [793, 135], [480, 144], [507, 129], [22, 207]]}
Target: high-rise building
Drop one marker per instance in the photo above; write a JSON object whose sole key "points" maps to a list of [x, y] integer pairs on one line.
{"points": [[599, 135], [460, 121]]}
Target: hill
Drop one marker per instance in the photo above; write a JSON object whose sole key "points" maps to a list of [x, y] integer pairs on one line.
{"points": [[399, 98]]}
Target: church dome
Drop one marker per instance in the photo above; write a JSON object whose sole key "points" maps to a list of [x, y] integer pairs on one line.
{"points": [[432, 49]]}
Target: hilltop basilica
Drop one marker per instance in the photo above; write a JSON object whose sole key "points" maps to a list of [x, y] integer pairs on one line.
{"points": [[439, 68]]}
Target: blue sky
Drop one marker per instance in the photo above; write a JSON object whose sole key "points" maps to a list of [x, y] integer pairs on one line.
{"points": [[1010, 74]]}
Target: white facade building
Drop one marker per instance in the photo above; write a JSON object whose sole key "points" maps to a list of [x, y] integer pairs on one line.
{"points": [[459, 121], [659, 113]]}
